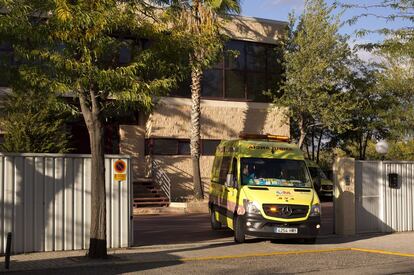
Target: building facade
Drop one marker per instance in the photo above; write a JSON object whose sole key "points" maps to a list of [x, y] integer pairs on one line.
{"points": [[233, 101]]}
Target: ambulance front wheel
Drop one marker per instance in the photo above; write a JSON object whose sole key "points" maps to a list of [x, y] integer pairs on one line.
{"points": [[215, 225], [239, 229]]}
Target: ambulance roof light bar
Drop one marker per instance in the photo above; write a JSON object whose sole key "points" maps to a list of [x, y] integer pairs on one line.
{"points": [[264, 136]]}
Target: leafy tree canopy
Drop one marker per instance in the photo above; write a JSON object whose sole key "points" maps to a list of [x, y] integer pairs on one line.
{"points": [[102, 46], [34, 122], [95, 50], [315, 62]]}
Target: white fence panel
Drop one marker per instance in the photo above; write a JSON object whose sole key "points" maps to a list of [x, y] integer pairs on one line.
{"points": [[368, 182], [45, 202], [398, 202], [379, 207]]}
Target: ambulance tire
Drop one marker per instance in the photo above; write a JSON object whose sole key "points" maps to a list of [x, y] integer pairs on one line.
{"points": [[309, 240], [239, 229], [215, 225]]}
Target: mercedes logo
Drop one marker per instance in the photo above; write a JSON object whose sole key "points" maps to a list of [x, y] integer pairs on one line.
{"points": [[287, 211]]}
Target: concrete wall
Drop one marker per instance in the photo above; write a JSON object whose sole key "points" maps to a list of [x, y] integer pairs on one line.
{"points": [[364, 200], [254, 29], [179, 170], [344, 196], [132, 143], [219, 120]]}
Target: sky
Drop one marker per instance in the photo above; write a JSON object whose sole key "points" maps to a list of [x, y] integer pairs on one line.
{"points": [[279, 10]]}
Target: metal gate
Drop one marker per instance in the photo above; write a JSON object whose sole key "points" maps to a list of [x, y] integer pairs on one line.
{"points": [[45, 202], [380, 205]]}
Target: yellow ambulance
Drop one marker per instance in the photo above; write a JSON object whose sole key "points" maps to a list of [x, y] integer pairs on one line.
{"points": [[261, 187]]}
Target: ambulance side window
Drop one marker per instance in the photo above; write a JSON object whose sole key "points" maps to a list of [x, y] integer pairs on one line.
{"points": [[234, 168], [224, 169], [215, 173]]}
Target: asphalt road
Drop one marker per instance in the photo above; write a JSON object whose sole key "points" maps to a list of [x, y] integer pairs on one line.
{"points": [[185, 244], [191, 228], [341, 262]]}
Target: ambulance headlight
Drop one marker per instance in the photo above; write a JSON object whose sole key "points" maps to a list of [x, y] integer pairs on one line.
{"points": [[315, 210], [252, 207]]}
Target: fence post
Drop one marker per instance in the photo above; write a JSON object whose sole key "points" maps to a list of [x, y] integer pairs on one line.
{"points": [[8, 250]]}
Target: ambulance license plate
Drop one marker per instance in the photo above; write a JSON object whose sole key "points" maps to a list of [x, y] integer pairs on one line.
{"points": [[286, 230]]}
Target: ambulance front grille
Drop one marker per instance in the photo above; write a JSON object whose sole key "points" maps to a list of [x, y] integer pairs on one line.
{"points": [[285, 211]]}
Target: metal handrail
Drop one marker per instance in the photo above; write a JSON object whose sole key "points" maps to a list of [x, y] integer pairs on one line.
{"points": [[161, 178]]}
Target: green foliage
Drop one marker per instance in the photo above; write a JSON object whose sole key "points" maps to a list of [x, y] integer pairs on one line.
{"points": [[370, 112], [401, 151], [384, 94], [398, 150], [74, 47], [396, 82], [396, 53], [34, 122], [315, 62]]}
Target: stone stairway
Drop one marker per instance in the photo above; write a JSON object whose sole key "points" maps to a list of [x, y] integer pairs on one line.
{"points": [[147, 194]]}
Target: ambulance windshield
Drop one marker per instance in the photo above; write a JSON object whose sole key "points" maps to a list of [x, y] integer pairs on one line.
{"points": [[274, 172]]}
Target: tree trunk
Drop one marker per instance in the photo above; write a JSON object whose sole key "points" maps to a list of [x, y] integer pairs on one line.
{"points": [[302, 129], [319, 146], [360, 141], [307, 148], [365, 145], [313, 144], [196, 76], [97, 244]]}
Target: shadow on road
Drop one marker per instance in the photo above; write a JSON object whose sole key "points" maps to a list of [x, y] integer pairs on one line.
{"points": [[123, 262], [170, 229], [176, 229]]}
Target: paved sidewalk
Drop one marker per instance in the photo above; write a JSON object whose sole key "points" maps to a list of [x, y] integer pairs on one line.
{"points": [[399, 244]]}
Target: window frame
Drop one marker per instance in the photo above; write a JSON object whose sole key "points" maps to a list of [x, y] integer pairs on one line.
{"points": [[222, 66], [150, 143]]}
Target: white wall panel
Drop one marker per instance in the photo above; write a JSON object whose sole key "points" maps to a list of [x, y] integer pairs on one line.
{"points": [[393, 211], [45, 202]]}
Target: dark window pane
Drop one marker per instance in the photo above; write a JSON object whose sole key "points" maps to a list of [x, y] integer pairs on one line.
{"points": [[6, 59], [256, 57], [111, 139], [124, 55], [274, 56], [219, 64], [183, 89], [235, 55], [165, 146], [224, 169], [5, 78], [216, 169], [209, 147], [212, 83], [234, 84], [184, 147], [273, 82], [256, 85]]}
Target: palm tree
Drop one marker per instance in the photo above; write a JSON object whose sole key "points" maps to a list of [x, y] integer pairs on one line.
{"points": [[201, 21]]}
